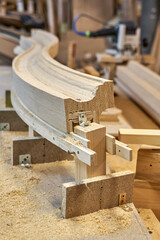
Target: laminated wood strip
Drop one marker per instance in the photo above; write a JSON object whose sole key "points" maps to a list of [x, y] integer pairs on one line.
{"points": [[52, 91]]}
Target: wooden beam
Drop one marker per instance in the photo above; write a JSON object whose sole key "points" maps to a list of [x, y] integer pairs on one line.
{"points": [[96, 193], [41, 150], [140, 136]]}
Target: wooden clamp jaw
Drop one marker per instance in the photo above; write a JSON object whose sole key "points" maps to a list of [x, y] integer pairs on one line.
{"points": [[95, 136], [116, 147]]}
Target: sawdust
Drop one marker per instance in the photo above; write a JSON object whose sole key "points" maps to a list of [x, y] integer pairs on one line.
{"points": [[74, 141], [30, 201], [151, 222]]}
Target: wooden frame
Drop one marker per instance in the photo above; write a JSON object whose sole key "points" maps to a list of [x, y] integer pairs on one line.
{"points": [[50, 97]]}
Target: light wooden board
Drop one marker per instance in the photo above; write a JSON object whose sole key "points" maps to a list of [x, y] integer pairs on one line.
{"points": [[53, 91], [132, 112], [121, 149], [41, 150], [142, 85], [140, 136], [96, 193]]}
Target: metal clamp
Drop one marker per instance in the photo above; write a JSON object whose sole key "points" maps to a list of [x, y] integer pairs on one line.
{"points": [[122, 198], [83, 120], [25, 160], [4, 127]]}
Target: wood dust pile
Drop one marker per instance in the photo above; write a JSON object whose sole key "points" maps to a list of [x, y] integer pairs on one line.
{"points": [[30, 201]]}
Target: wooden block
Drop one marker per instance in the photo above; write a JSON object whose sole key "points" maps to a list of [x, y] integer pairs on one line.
{"points": [[96, 193], [116, 147], [41, 150], [148, 165], [123, 151], [92, 71], [110, 114], [96, 134], [110, 144], [147, 195], [11, 117], [140, 136]]}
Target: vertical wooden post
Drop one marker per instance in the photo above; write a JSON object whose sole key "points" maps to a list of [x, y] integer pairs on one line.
{"points": [[30, 132], [96, 134]]}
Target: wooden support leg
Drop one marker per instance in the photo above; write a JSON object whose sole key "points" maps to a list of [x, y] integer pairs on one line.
{"points": [[96, 193], [30, 132], [40, 150], [80, 171], [96, 134], [14, 122]]}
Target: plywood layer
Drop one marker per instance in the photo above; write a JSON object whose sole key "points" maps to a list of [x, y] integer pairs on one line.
{"points": [[51, 90]]}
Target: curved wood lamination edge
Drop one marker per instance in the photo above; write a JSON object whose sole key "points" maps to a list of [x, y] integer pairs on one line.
{"points": [[60, 139], [51, 90]]}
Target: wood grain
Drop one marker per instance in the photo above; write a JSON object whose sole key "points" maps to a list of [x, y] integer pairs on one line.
{"points": [[142, 85], [53, 91]]}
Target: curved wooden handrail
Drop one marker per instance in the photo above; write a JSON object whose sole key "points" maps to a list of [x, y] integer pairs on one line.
{"points": [[52, 91]]}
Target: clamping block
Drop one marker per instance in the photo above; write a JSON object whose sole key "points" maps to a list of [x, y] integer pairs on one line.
{"points": [[40, 150], [13, 122]]}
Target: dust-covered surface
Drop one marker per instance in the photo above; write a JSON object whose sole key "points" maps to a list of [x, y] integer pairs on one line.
{"points": [[30, 201], [151, 222]]}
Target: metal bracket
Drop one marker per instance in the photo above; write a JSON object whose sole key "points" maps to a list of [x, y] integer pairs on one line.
{"points": [[25, 160], [83, 120], [4, 127], [122, 198]]}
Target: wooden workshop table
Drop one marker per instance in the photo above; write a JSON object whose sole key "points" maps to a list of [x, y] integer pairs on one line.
{"points": [[31, 198]]}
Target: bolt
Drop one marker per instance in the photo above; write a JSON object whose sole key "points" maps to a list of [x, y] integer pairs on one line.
{"points": [[71, 152]]}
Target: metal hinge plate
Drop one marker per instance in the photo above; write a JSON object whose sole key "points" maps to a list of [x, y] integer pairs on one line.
{"points": [[4, 127], [83, 120], [122, 198], [25, 160]]}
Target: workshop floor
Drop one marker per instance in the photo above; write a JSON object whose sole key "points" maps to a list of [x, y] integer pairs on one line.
{"points": [[30, 202]]}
